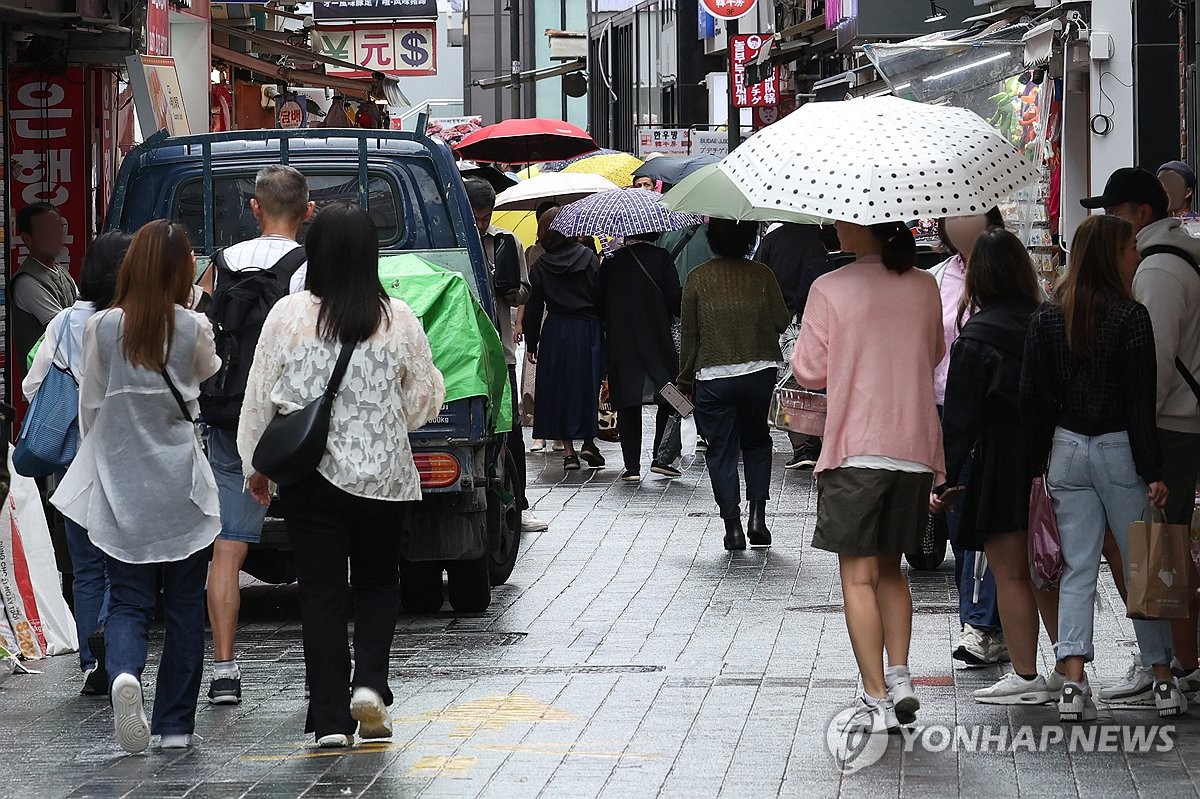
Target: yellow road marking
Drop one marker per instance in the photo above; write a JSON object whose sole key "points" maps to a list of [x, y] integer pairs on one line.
{"points": [[453, 765], [492, 713], [361, 749], [563, 749]]}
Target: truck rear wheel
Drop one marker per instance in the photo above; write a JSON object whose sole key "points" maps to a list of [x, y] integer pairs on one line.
{"points": [[421, 586], [506, 518], [468, 585]]}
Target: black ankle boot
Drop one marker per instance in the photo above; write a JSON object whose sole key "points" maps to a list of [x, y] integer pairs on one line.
{"points": [[756, 529], [735, 539]]}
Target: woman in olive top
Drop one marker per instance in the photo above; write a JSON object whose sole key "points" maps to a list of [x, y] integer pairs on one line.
{"points": [[733, 313]]}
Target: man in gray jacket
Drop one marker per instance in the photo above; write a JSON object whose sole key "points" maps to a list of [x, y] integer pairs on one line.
{"points": [[1168, 283]]}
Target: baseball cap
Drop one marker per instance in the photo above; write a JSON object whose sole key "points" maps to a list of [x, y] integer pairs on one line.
{"points": [[1183, 170], [1131, 185]]}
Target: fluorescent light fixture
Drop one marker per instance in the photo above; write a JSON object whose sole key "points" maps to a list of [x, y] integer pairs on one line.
{"points": [[965, 67], [936, 13]]}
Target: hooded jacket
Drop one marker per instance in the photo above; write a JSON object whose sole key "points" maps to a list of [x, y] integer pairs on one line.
{"points": [[1170, 289], [564, 283]]}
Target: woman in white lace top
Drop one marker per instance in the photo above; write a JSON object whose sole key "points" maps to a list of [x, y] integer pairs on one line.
{"points": [[354, 506]]}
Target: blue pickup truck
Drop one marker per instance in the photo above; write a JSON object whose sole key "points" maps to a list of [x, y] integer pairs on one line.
{"points": [[467, 525]]}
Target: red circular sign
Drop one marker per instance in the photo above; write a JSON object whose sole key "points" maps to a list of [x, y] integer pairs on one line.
{"points": [[728, 9], [291, 115]]}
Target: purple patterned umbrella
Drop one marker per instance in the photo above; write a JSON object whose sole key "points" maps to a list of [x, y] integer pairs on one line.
{"points": [[623, 212]]}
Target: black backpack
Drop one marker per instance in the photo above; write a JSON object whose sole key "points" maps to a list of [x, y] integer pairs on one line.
{"points": [[240, 304]]}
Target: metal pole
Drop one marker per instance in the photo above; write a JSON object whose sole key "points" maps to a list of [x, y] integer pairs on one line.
{"points": [[514, 10], [735, 113]]}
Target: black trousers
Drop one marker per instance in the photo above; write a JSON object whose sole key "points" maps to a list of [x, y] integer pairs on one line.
{"points": [[329, 528], [629, 422], [733, 413], [516, 440]]}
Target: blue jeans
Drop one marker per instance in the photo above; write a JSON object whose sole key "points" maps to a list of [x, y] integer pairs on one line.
{"points": [[90, 587], [134, 589], [1095, 486]]}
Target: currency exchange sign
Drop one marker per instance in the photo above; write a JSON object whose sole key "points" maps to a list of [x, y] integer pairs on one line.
{"points": [[399, 49]]}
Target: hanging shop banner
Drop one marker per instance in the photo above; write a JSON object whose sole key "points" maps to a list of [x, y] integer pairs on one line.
{"points": [[376, 9], [158, 28], [728, 9], [409, 49], [451, 130], [157, 96], [48, 152], [744, 50]]}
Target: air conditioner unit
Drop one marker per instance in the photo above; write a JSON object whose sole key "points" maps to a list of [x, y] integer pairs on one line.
{"points": [[454, 29]]}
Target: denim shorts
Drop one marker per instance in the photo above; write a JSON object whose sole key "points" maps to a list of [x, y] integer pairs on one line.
{"points": [[241, 514]]}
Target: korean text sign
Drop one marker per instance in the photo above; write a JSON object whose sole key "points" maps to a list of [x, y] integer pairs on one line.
{"points": [[728, 9], [48, 152], [745, 49], [401, 49]]}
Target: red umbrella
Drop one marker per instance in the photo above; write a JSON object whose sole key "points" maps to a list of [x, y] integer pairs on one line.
{"points": [[526, 141]]}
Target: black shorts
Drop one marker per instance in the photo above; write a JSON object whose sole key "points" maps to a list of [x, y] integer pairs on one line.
{"points": [[866, 512]]}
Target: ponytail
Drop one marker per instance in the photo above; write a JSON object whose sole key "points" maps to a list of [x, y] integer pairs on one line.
{"points": [[899, 247]]}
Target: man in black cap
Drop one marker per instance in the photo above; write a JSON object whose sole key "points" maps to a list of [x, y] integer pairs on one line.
{"points": [[1167, 282]]}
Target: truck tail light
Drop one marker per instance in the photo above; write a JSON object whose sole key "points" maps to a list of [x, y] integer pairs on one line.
{"points": [[437, 469]]}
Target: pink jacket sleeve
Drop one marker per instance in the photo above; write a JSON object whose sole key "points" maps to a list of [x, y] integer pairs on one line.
{"points": [[810, 361]]}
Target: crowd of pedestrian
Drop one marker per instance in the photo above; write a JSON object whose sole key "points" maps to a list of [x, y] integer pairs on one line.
{"points": [[947, 392]]}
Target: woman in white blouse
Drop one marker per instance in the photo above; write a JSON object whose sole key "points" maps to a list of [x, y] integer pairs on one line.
{"points": [[141, 486], [353, 507]]}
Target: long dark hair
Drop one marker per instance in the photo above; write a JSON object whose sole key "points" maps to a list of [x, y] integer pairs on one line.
{"points": [[899, 247], [343, 271], [1000, 270], [1093, 282], [155, 276], [98, 278]]}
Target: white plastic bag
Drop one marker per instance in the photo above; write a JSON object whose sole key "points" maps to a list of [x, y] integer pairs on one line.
{"points": [[687, 431], [30, 593]]}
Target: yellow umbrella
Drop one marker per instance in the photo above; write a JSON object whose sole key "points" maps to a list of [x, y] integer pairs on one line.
{"points": [[617, 167], [522, 223], [529, 172]]}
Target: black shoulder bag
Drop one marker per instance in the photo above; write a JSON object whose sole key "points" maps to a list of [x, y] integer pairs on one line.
{"points": [[1167, 249], [292, 446]]}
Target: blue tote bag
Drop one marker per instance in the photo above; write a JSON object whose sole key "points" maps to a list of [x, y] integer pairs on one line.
{"points": [[49, 434]]}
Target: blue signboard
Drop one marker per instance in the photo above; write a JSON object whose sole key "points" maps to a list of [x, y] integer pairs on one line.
{"points": [[708, 24]]}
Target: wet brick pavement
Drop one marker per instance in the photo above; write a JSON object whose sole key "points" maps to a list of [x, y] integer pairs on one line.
{"points": [[630, 656]]}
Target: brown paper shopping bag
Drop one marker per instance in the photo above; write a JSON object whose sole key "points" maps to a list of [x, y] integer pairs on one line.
{"points": [[1159, 556]]}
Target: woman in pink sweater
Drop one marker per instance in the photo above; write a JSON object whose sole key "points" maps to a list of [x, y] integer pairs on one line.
{"points": [[871, 337]]}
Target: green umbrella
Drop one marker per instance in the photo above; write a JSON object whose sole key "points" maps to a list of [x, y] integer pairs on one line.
{"points": [[466, 347], [709, 191]]}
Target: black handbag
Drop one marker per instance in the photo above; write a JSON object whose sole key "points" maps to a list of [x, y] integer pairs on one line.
{"points": [[292, 446]]}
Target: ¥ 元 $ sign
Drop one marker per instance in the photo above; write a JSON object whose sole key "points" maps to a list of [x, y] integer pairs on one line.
{"points": [[744, 50], [728, 9], [407, 49]]}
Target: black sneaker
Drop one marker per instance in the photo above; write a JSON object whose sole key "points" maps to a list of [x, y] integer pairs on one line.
{"points": [[225, 691], [804, 458], [665, 469], [591, 456], [95, 681]]}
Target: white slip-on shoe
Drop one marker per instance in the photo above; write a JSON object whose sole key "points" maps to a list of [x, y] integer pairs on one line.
{"points": [[129, 714], [532, 524], [335, 741], [368, 709], [1013, 689], [182, 741]]}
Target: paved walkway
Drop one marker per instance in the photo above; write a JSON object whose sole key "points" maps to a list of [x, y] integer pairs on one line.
{"points": [[630, 656]]}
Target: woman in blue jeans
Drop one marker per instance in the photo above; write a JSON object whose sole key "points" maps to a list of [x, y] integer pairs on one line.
{"points": [[63, 348], [141, 486], [1087, 400]]}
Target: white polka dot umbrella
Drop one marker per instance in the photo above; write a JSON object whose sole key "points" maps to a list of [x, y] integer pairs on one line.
{"points": [[881, 159]]}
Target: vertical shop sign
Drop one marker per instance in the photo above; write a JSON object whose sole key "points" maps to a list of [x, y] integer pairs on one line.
{"points": [[158, 28], [48, 152], [104, 99], [744, 50]]}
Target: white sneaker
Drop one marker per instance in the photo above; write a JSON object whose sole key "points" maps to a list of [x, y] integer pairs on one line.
{"points": [[1169, 699], [973, 648], [1013, 689], [537, 445], [532, 524], [1189, 683], [995, 648], [176, 741], [368, 709], [1137, 688], [132, 728], [334, 741], [1054, 684], [1076, 703], [865, 717], [903, 698]]}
